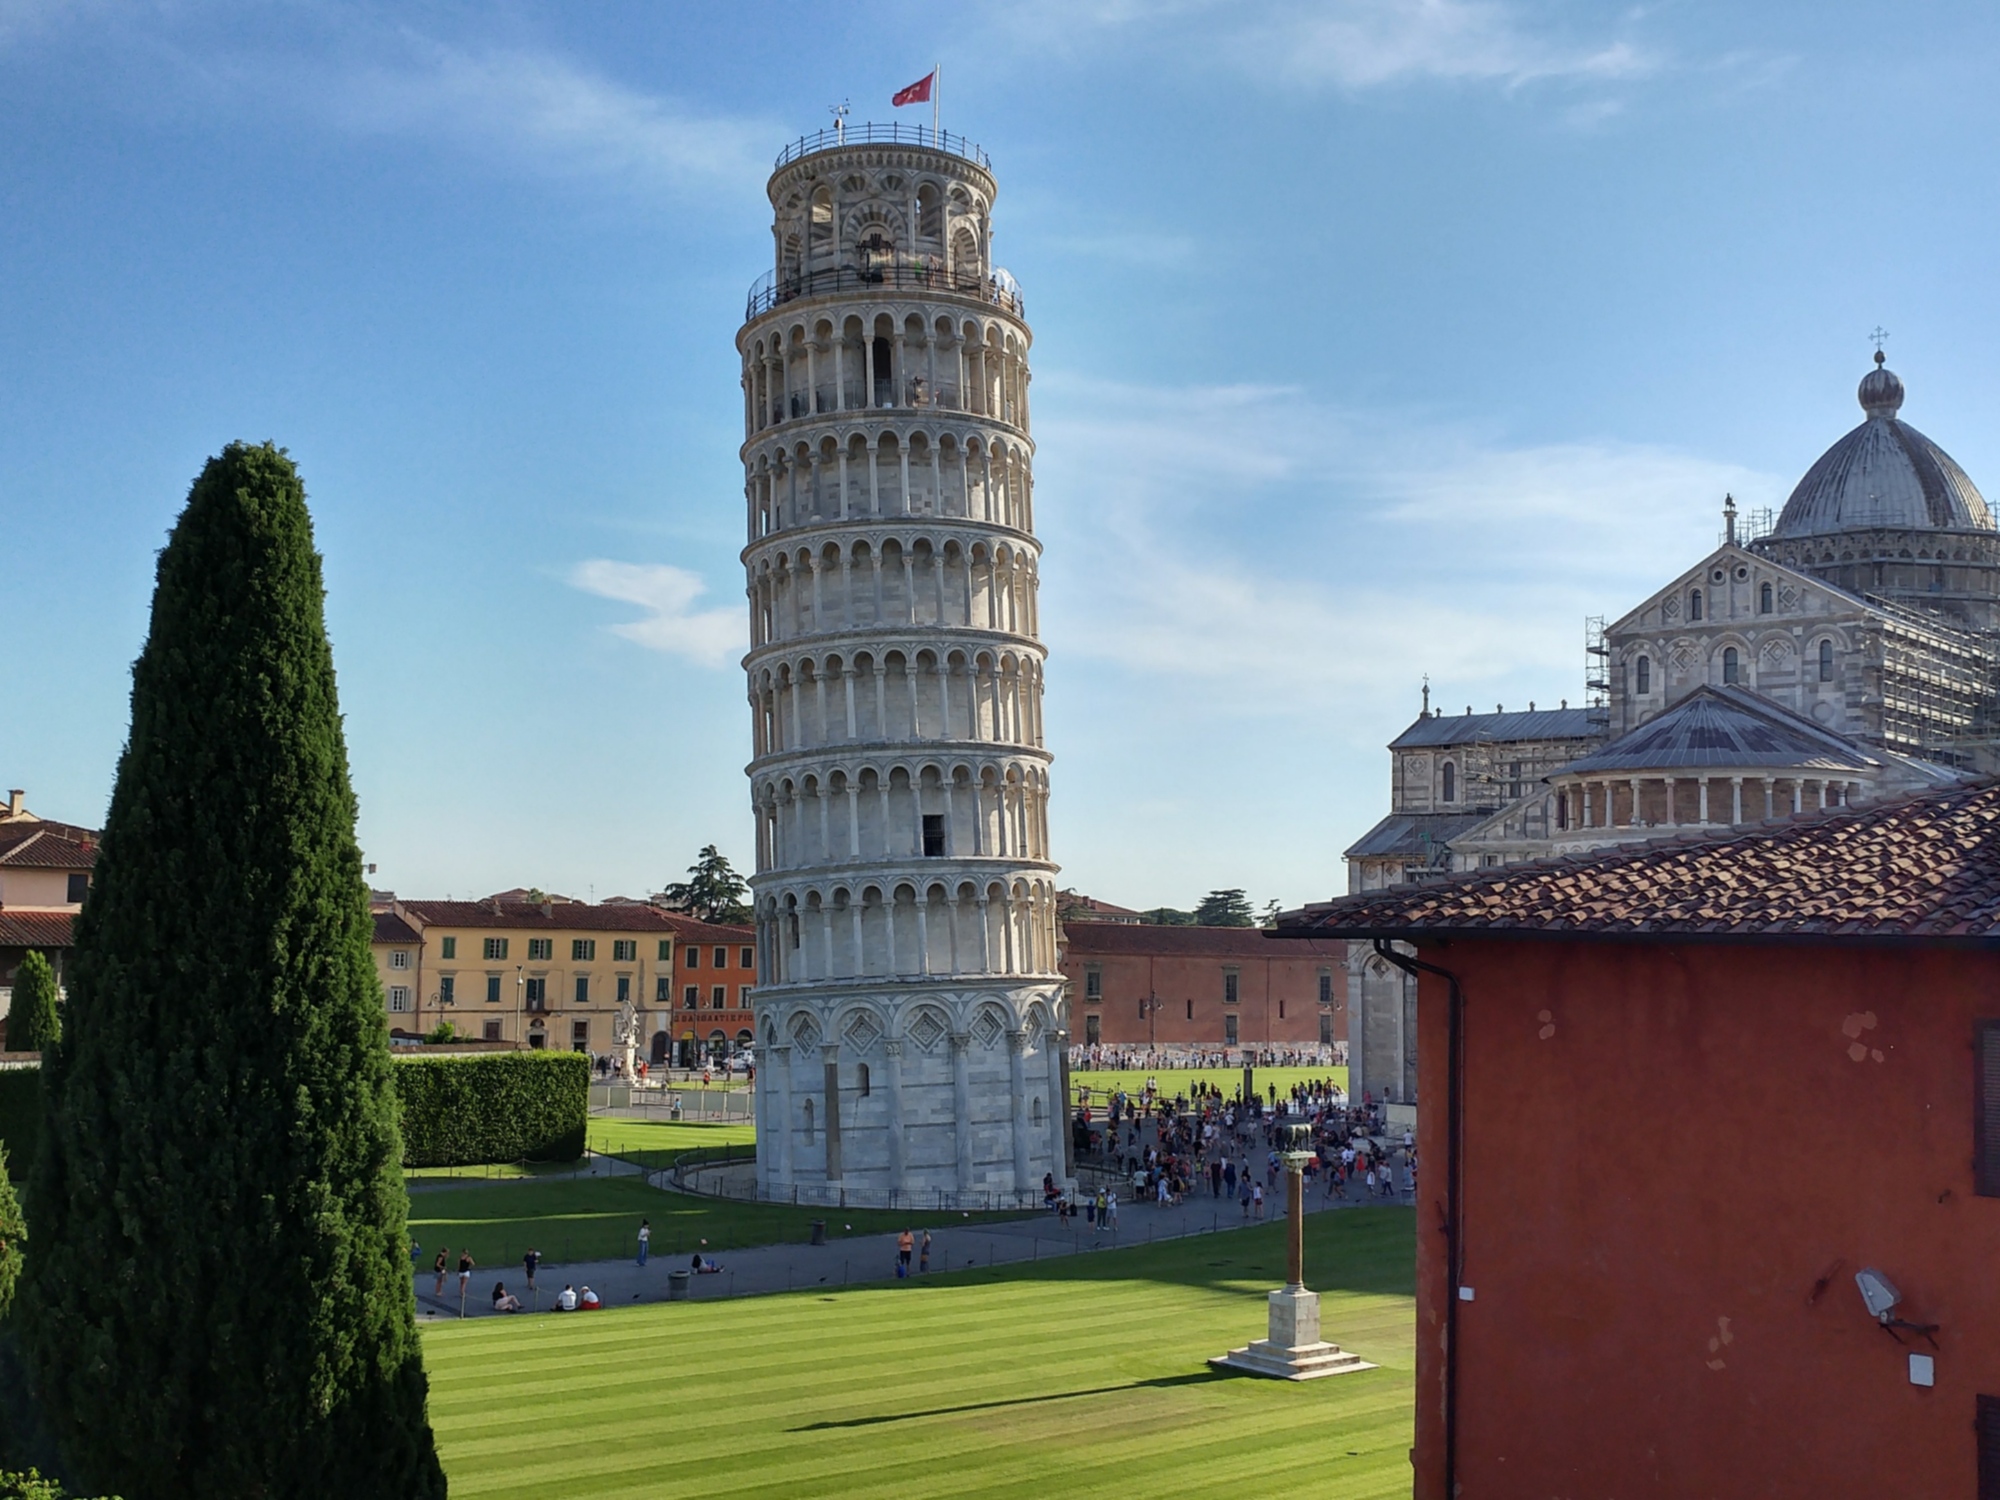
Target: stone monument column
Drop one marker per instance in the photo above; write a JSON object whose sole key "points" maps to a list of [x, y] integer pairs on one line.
{"points": [[1293, 1349], [1057, 1043]]}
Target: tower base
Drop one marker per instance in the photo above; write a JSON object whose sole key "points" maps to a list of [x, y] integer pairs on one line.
{"points": [[1294, 1350]]}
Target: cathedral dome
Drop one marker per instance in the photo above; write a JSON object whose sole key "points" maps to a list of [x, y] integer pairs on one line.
{"points": [[1883, 474]]}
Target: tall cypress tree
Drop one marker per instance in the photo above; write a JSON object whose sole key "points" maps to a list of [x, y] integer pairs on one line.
{"points": [[218, 1298], [32, 1021]]}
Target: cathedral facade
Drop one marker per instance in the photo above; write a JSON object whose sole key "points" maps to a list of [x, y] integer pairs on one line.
{"points": [[909, 1011], [1848, 654]]}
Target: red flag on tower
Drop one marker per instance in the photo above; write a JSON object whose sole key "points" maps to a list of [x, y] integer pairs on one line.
{"points": [[917, 93]]}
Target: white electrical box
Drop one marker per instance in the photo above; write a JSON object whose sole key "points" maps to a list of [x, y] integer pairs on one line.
{"points": [[1923, 1370], [1465, 1294]]}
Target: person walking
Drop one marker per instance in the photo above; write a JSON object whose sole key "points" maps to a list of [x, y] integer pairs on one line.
{"points": [[645, 1239], [465, 1264], [1111, 1210], [1243, 1194], [440, 1265], [905, 1243], [924, 1253], [529, 1263]]}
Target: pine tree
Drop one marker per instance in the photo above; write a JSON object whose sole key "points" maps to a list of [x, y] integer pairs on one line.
{"points": [[217, 1299], [1229, 908], [713, 891], [32, 1021]]}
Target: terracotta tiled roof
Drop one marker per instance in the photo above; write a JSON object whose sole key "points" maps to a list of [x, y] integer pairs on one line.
{"points": [[47, 846], [1084, 939], [34, 929], [1925, 866], [561, 916], [390, 928], [694, 930]]}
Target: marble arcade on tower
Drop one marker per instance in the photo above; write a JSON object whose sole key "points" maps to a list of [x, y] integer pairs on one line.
{"points": [[910, 1011]]}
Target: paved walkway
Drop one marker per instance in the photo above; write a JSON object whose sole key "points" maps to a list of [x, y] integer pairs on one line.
{"points": [[860, 1258]]}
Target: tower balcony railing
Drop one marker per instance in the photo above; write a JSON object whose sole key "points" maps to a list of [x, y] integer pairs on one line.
{"points": [[882, 135], [919, 273]]}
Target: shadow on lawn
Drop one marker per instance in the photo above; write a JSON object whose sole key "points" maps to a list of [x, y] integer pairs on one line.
{"points": [[1200, 1377]]}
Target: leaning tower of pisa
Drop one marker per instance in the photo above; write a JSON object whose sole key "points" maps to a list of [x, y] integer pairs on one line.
{"points": [[909, 1009]]}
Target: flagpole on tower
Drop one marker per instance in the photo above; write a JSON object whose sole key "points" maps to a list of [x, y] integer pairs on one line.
{"points": [[937, 103]]}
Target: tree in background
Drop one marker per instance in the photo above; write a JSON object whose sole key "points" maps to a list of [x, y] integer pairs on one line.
{"points": [[13, 1237], [217, 1297], [1225, 909], [713, 891], [1167, 916], [33, 1023]]}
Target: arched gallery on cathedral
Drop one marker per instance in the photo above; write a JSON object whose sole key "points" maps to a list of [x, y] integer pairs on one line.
{"points": [[1845, 654]]}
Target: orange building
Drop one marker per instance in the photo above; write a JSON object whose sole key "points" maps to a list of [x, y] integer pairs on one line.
{"points": [[1133, 985], [714, 974], [1676, 1099]]}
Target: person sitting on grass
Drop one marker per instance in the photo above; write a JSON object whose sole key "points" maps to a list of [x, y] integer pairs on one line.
{"points": [[504, 1300], [589, 1301], [703, 1266], [567, 1301]]}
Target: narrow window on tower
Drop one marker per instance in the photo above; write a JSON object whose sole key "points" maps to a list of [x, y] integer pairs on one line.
{"points": [[861, 1080], [1763, 598], [885, 379], [1694, 605], [1732, 664], [1642, 676], [933, 836], [1826, 661], [1450, 776]]}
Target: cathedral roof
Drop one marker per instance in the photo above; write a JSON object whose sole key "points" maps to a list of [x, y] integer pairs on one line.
{"points": [[1714, 727], [1468, 729], [1883, 474], [1414, 835]]}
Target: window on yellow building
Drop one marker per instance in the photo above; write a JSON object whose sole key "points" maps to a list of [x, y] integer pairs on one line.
{"points": [[624, 950], [541, 950], [495, 948], [448, 947], [400, 959], [583, 989], [583, 950]]}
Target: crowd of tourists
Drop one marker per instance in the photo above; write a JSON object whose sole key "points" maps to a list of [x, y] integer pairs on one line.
{"points": [[1231, 1147], [1167, 1059]]}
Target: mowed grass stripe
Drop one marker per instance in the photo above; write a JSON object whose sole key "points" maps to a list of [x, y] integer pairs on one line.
{"points": [[1084, 1375]]}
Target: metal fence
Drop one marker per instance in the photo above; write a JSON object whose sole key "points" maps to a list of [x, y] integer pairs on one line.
{"points": [[871, 134]]}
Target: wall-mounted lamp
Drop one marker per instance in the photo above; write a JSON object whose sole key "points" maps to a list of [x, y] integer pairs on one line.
{"points": [[1880, 1297]]}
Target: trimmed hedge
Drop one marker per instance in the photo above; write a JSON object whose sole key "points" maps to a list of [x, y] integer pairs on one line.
{"points": [[20, 1117], [500, 1106]]}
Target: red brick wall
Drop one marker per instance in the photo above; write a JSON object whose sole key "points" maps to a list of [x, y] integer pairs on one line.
{"points": [[1666, 1147], [1277, 987]]}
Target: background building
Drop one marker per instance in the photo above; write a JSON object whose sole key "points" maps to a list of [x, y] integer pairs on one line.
{"points": [[44, 875], [910, 1019], [1847, 654], [562, 974], [1204, 988]]}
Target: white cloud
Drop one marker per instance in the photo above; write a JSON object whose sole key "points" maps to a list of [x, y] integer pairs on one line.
{"points": [[553, 113], [1349, 44], [1296, 558], [708, 637], [1365, 43]]}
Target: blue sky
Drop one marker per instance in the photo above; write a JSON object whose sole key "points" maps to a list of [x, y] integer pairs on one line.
{"points": [[1374, 338]]}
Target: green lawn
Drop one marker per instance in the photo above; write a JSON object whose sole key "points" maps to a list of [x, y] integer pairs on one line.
{"points": [[1174, 1081], [656, 1144], [1081, 1377], [597, 1218]]}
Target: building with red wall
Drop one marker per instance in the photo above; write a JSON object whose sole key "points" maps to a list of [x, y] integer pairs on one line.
{"points": [[1202, 987], [1675, 1097]]}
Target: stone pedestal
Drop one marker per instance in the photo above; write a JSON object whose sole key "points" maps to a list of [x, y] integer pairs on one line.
{"points": [[1294, 1350]]}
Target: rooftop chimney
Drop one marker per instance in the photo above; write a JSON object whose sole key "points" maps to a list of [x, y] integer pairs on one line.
{"points": [[17, 803]]}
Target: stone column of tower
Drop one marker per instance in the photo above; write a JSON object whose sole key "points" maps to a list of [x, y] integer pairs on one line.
{"points": [[909, 1006]]}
